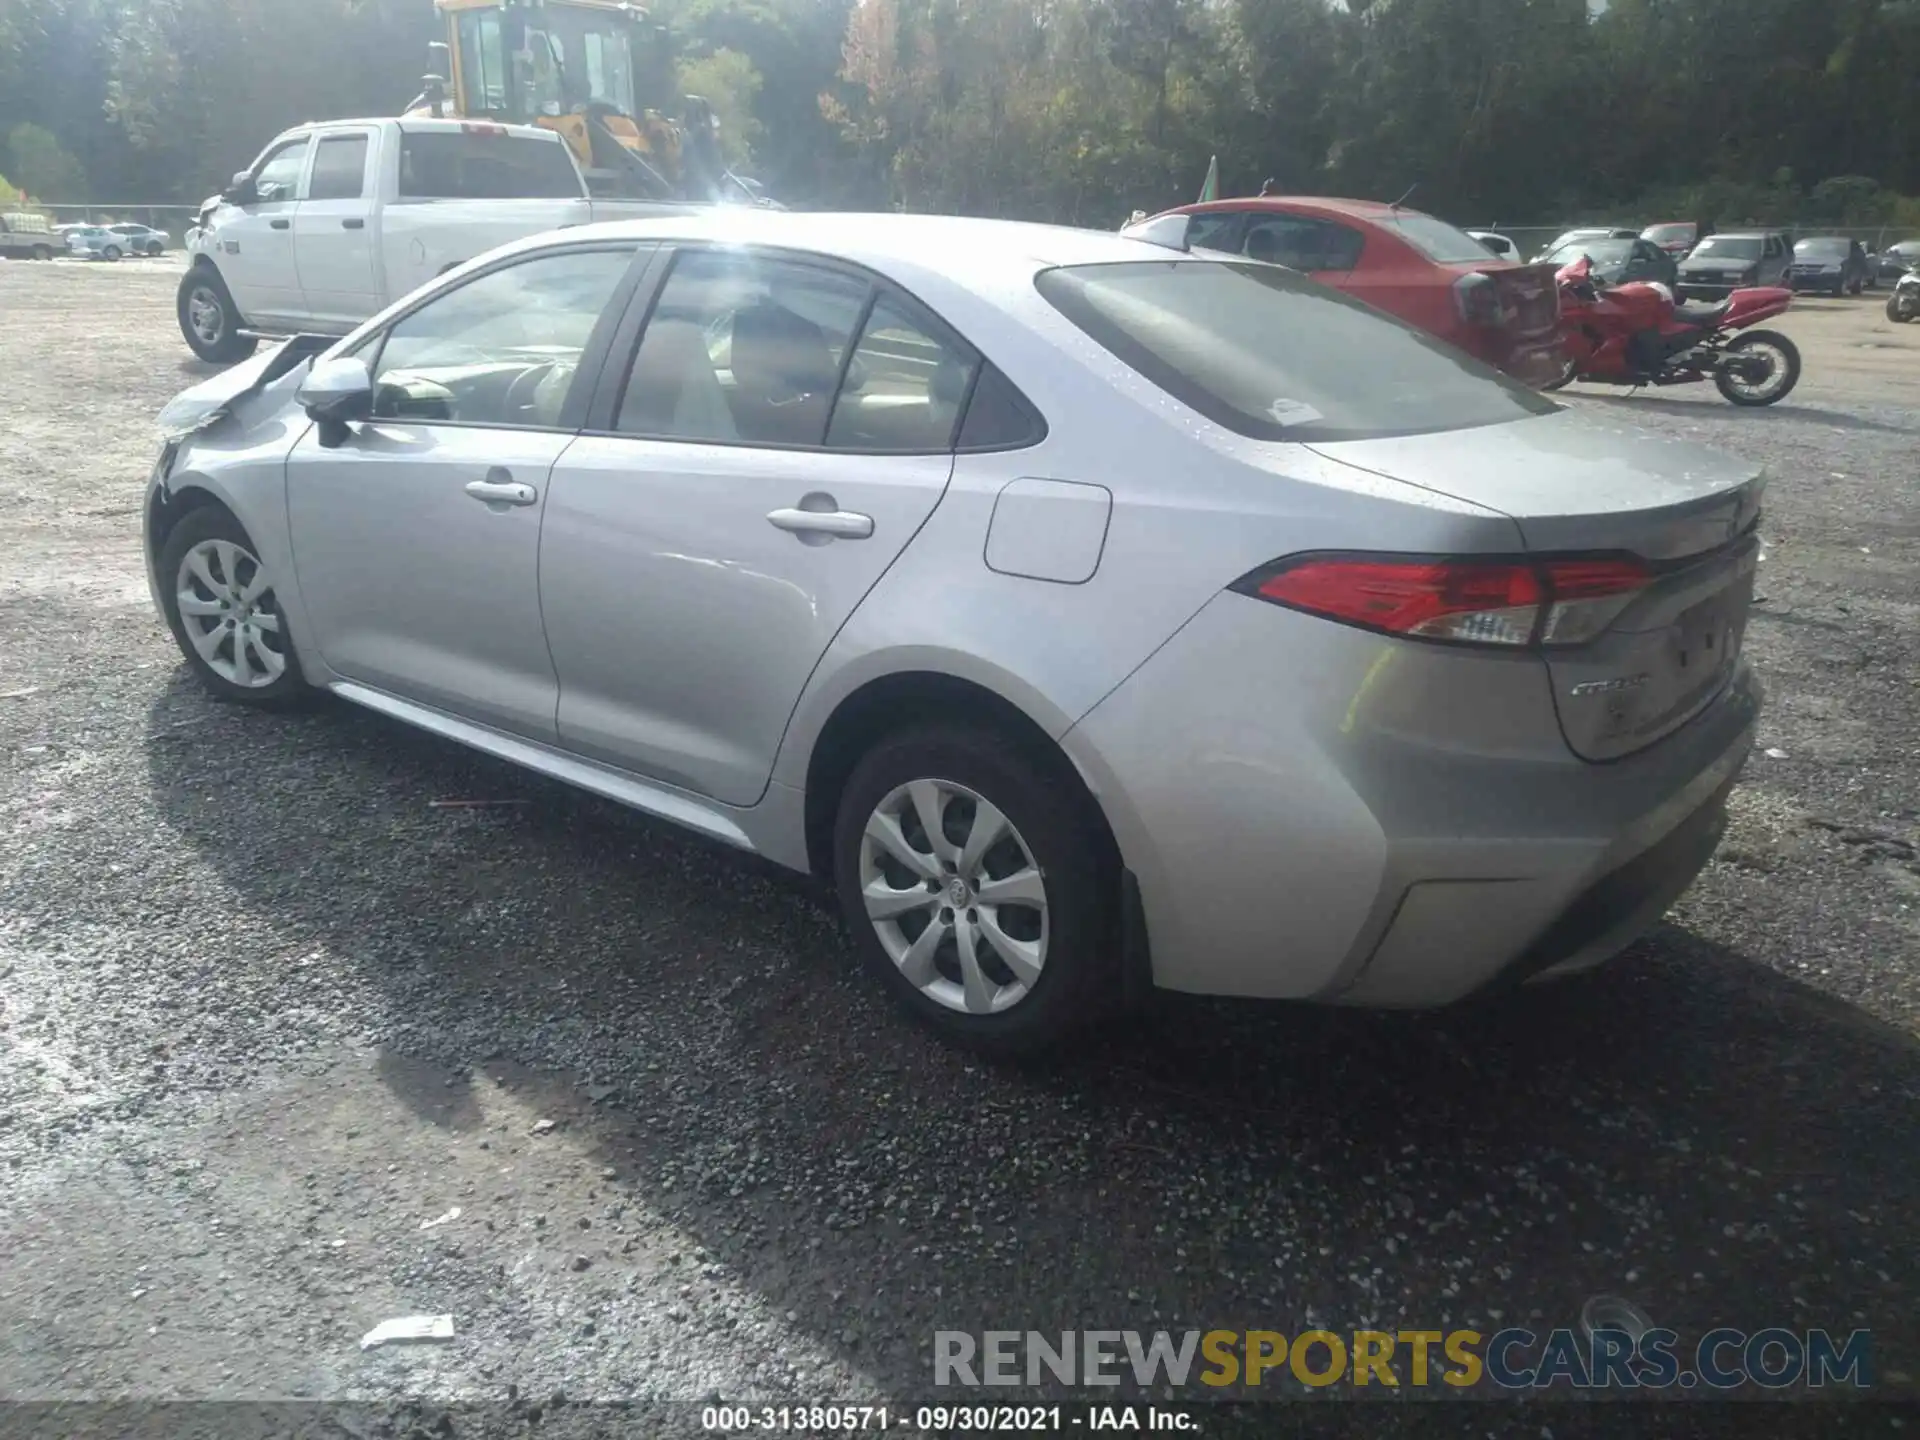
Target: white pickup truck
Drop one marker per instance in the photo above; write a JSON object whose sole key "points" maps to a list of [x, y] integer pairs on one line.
{"points": [[335, 221]]}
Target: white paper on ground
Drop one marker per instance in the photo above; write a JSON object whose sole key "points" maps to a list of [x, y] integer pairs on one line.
{"points": [[408, 1327]]}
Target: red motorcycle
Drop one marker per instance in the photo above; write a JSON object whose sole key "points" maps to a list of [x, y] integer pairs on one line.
{"points": [[1635, 334]]}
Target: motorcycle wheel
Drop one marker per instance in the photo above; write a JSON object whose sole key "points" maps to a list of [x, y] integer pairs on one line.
{"points": [[1783, 372], [1896, 311]]}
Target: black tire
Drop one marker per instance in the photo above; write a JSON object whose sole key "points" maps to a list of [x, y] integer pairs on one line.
{"points": [[156, 248], [1897, 312], [1079, 979], [223, 344], [43, 252], [215, 523], [1788, 351], [111, 252]]}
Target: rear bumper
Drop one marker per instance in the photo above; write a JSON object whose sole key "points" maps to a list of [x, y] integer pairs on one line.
{"points": [[1313, 812]]}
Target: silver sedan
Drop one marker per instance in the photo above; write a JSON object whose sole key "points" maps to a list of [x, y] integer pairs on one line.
{"points": [[1094, 614]]}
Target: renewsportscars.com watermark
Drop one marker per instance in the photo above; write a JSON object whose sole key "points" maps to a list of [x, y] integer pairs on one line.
{"points": [[1512, 1359]]}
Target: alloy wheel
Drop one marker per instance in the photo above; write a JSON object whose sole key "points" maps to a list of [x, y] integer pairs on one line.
{"points": [[229, 615], [954, 895]]}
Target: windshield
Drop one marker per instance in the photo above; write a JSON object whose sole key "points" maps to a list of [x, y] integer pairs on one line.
{"points": [[1823, 249], [1667, 234], [1435, 239], [1601, 252], [1730, 247], [1270, 354]]}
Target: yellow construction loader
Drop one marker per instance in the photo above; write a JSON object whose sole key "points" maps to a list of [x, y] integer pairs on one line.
{"points": [[598, 72]]}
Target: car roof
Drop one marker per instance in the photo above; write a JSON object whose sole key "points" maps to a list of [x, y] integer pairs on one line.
{"points": [[1743, 234], [1330, 204], [884, 242]]}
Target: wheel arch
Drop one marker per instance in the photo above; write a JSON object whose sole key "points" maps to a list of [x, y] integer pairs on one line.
{"points": [[887, 703]]}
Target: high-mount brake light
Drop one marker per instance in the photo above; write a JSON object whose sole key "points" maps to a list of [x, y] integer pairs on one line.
{"points": [[1515, 603], [480, 127]]}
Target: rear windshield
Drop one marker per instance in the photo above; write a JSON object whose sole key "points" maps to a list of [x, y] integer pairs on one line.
{"points": [[1732, 247], [1593, 249], [1667, 234], [474, 165], [1435, 239], [1271, 354]]}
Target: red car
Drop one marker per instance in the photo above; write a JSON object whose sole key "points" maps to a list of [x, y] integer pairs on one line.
{"points": [[1403, 262]]}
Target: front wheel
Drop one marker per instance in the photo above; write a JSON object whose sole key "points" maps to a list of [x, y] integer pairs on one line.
{"points": [[1569, 372], [1900, 308], [222, 607], [43, 252], [972, 881], [1761, 367], [209, 319], [112, 252]]}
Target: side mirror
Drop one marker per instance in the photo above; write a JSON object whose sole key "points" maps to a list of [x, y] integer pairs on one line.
{"points": [[336, 393], [240, 190]]}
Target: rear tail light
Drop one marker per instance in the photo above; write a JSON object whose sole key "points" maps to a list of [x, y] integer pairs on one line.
{"points": [[1479, 301], [1513, 603]]}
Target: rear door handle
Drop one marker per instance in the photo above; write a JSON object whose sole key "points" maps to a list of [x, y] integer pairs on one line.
{"points": [[280, 224], [502, 492], [353, 224], [838, 524]]}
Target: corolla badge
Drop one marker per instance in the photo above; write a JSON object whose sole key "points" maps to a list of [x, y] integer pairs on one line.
{"points": [[1609, 687]]}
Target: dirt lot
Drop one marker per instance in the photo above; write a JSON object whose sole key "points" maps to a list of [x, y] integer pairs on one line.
{"points": [[266, 1012]]}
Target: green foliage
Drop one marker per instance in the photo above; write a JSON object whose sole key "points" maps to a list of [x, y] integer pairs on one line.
{"points": [[1081, 110], [41, 167], [727, 81]]}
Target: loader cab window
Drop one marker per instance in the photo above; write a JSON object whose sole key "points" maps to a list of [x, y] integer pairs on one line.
{"points": [[483, 63]]}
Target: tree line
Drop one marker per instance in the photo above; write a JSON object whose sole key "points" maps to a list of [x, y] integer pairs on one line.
{"points": [[1079, 111]]}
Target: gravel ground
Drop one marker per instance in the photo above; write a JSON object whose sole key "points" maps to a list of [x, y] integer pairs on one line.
{"points": [[267, 1011]]}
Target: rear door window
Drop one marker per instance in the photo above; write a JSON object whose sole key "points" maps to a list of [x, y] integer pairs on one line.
{"points": [[905, 386], [1303, 243], [339, 168], [483, 164], [1216, 230], [1275, 356]]}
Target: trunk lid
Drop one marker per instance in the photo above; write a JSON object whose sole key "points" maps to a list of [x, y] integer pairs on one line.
{"points": [[1575, 486]]}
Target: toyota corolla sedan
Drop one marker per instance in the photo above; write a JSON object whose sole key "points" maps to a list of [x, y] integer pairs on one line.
{"points": [[1094, 615]]}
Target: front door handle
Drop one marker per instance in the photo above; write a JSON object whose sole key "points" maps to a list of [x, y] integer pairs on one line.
{"points": [[827, 524], [353, 224], [502, 492], [280, 224]]}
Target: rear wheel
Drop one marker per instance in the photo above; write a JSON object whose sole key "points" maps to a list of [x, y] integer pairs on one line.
{"points": [[43, 252], [972, 880], [209, 320], [1899, 309], [1761, 367]]}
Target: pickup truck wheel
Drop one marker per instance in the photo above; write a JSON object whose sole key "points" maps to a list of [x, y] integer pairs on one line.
{"points": [[43, 252], [209, 320]]}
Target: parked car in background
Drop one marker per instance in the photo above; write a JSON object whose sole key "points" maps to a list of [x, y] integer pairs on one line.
{"points": [[1298, 676], [94, 242], [1833, 264], [1499, 244], [1676, 237], [26, 236], [1723, 263], [1903, 306], [1429, 273], [1896, 260], [142, 239], [1615, 262], [1588, 232]]}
